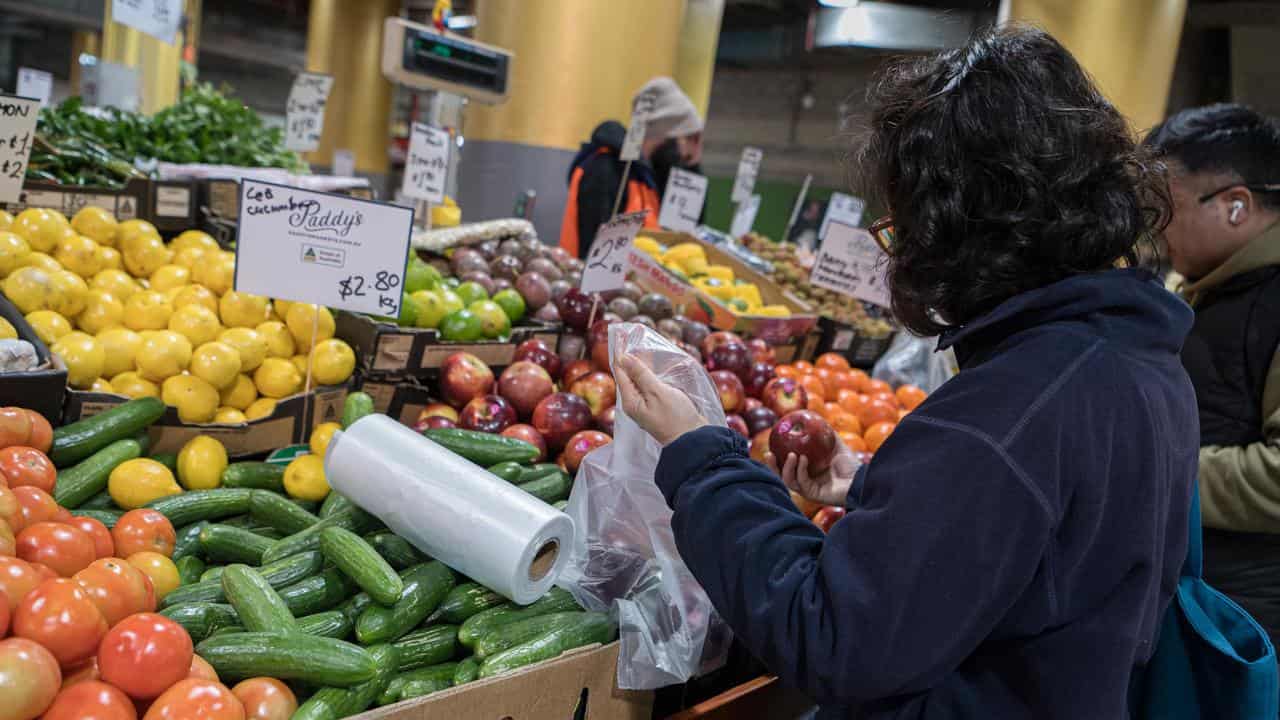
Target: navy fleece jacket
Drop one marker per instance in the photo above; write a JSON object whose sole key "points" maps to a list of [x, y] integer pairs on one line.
{"points": [[1010, 550]]}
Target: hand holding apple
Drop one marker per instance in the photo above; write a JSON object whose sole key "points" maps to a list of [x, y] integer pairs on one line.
{"points": [[661, 410], [830, 486]]}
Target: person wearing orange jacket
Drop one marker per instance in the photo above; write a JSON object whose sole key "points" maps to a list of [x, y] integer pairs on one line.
{"points": [[673, 138]]}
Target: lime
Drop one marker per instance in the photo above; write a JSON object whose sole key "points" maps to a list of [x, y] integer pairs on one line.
{"points": [[452, 301], [429, 308], [462, 326], [471, 292], [420, 276], [493, 319], [408, 313], [511, 303], [452, 282]]}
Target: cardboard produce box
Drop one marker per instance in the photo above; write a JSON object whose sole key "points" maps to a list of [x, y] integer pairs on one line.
{"points": [[41, 389], [860, 349], [399, 399], [170, 205]]}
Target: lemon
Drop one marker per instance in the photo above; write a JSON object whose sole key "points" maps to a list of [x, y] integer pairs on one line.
{"points": [[109, 258], [12, 250], [321, 436], [29, 289], [78, 254], [102, 386], [120, 345], [229, 416], [201, 462], [128, 232], [216, 363], [239, 309], [6, 220], [147, 310], [68, 293], [195, 295], [41, 228], [260, 408], [196, 400], [96, 224], [162, 354], [279, 341], [134, 385], [239, 394], [169, 277], [216, 272], [117, 282], [40, 260], [302, 318], [134, 483], [49, 325], [7, 330], [101, 311], [196, 322], [145, 255], [300, 362], [304, 478], [249, 343], [83, 356], [190, 258], [281, 308], [332, 362], [194, 239], [277, 378]]}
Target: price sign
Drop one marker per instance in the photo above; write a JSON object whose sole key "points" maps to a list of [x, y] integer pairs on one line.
{"points": [[682, 202], [158, 18], [344, 163], [744, 218], [851, 263], [606, 266], [744, 183], [427, 167], [842, 208], [17, 132], [639, 125], [304, 112], [319, 248], [36, 84]]}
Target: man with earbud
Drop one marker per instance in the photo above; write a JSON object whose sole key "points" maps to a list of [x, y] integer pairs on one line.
{"points": [[1224, 238]]}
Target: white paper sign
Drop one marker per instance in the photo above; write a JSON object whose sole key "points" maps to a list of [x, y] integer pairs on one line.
{"points": [[427, 167], [304, 112], [114, 85], [36, 84], [851, 263], [158, 18], [17, 133], [842, 208], [682, 201], [606, 266], [639, 125], [744, 183], [744, 218], [319, 248], [344, 163]]}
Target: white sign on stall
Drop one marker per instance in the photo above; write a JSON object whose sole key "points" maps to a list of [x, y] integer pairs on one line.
{"points": [[683, 200], [639, 125], [36, 84], [606, 265], [344, 163], [851, 263], [158, 18], [842, 208], [744, 218], [427, 168], [744, 183], [304, 112], [17, 133], [320, 248]]}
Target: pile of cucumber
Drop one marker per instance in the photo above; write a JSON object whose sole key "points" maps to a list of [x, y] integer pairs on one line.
{"points": [[322, 595]]}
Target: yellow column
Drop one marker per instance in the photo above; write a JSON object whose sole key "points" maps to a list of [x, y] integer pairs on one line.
{"points": [[83, 42], [696, 59], [1129, 46], [157, 62], [344, 39]]}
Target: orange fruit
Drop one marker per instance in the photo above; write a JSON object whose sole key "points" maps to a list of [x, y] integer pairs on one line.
{"points": [[910, 396], [851, 401], [844, 380], [845, 422], [877, 410], [903, 413], [828, 378], [816, 404], [829, 408], [814, 386], [804, 367], [860, 380], [877, 386], [785, 371], [877, 434], [832, 361], [854, 441]]}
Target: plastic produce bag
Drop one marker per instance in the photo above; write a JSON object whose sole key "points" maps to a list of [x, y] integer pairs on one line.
{"points": [[625, 559], [916, 361]]}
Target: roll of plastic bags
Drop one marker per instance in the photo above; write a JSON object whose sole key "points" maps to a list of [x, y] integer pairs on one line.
{"points": [[453, 510], [625, 560]]}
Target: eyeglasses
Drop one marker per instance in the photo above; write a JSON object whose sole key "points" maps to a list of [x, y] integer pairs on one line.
{"points": [[882, 231], [1266, 187]]}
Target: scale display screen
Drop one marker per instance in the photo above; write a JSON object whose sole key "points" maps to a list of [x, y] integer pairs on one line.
{"points": [[454, 60]]}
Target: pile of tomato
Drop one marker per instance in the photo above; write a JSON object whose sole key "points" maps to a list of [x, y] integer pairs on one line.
{"points": [[79, 636]]}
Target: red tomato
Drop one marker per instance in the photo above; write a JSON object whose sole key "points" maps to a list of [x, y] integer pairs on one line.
{"points": [[4, 614], [84, 672], [117, 588], [202, 670], [17, 578], [11, 510], [41, 432], [15, 426], [64, 548], [37, 505], [91, 700], [8, 541], [29, 679], [43, 572], [59, 615], [103, 545], [193, 699], [143, 530], [21, 465], [63, 516], [144, 654], [266, 698]]}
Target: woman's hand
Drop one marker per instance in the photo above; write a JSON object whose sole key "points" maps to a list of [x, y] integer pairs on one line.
{"points": [[829, 487], [663, 411]]}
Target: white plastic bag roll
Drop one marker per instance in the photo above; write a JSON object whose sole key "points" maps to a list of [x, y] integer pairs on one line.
{"points": [[451, 509]]}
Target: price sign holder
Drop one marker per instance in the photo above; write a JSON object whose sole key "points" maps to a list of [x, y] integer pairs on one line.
{"points": [[851, 263], [304, 111], [158, 18], [842, 208], [683, 200], [744, 217], [634, 141], [17, 135], [744, 182], [426, 169]]}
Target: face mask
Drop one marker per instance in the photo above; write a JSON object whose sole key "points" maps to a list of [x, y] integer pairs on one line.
{"points": [[666, 157]]}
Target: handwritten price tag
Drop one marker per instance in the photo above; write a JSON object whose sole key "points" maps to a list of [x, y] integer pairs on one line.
{"points": [[304, 113], [744, 218], [17, 131], [639, 125], [744, 183], [851, 263], [682, 202], [427, 168], [607, 262], [320, 248], [158, 18], [842, 208]]}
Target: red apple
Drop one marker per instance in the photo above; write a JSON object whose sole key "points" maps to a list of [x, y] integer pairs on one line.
{"points": [[464, 377], [730, 388], [761, 351], [827, 516], [717, 339], [606, 420], [804, 432], [600, 355], [488, 413], [529, 435], [738, 425], [784, 395], [574, 371], [756, 377], [538, 351], [731, 356], [575, 309], [438, 409], [759, 445], [598, 389], [751, 404], [578, 447], [559, 416], [759, 418], [524, 384], [436, 422], [599, 332]]}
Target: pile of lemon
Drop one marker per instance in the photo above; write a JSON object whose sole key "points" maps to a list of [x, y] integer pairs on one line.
{"points": [[132, 315], [688, 261]]}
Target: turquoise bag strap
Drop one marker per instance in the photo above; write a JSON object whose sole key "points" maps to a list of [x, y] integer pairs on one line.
{"points": [[1194, 564]]}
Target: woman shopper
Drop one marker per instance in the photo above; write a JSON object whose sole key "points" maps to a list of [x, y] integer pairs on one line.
{"points": [[1011, 549]]}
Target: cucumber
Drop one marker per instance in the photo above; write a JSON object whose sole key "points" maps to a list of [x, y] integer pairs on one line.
{"points": [[330, 623], [77, 484], [362, 564], [224, 543], [422, 681], [289, 657], [101, 501], [395, 550], [254, 476], [106, 517], [476, 626], [354, 605], [333, 502], [332, 703], [517, 633], [317, 593], [466, 600], [256, 602], [277, 574], [427, 646], [196, 505], [279, 512], [228, 630], [549, 489], [356, 406], [169, 460], [467, 671], [591, 628], [143, 438], [425, 586], [202, 619], [536, 472], [77, 441], [350, 518], [311, 506], [509, 471], [188, 541], [481, 448], [190, 568]]}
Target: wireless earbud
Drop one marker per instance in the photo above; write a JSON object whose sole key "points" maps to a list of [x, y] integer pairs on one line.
{"points": [[1236, 208]]}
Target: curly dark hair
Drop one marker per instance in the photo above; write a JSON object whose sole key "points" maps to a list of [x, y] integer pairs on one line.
{"points": [[1006, 170]]}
